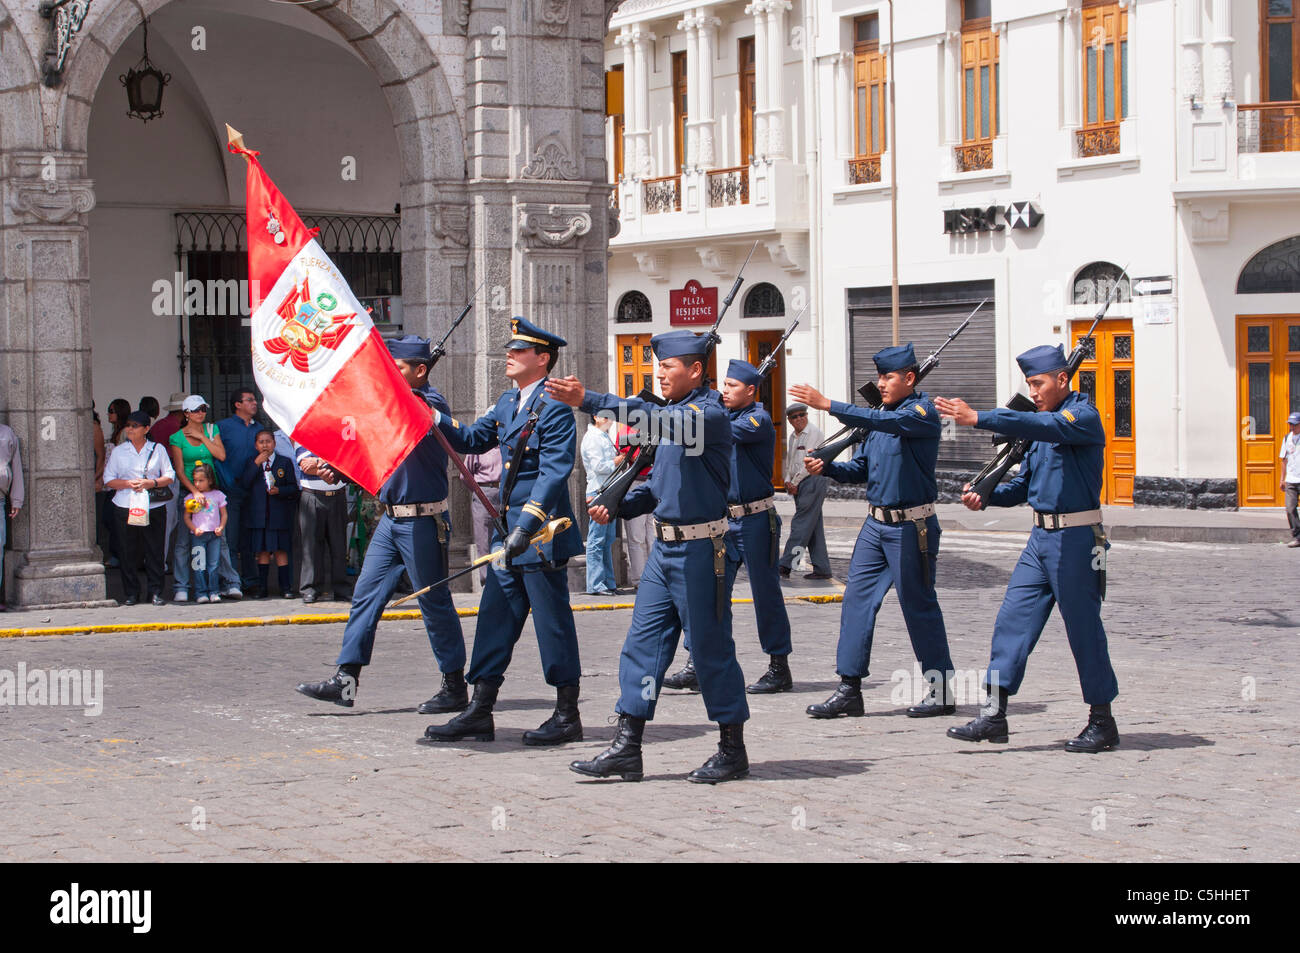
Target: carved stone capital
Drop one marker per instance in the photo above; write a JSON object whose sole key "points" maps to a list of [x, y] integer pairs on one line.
{"points": [[788, 251], [554, 17], [49, 187], [654, 265], [451, 225], [1207, 220], [553, 226], [717, 259], [550, 161]]}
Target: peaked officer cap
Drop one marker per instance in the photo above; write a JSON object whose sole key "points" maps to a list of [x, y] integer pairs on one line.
{"points": [[409, 347], [525, 334], [744, 372], [897, 358], [678, 344], [1044, 359]]}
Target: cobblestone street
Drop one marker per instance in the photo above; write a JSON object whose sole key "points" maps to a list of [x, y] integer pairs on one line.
{"points": [[204, 751]]}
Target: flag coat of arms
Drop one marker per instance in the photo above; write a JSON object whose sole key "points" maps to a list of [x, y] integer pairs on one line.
{"points": [[325, 374]]}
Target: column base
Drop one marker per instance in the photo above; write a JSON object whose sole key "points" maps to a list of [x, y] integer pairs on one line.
{"points": [[58, 581]]}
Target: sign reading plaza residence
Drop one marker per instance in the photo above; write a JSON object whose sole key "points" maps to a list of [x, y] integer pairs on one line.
{"points": [[692, 304]]}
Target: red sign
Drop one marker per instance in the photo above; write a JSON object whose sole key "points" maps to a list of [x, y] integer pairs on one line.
{"points": [[692, 304]]}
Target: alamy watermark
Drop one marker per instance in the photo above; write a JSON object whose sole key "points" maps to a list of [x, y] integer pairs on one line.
{"points": [[55, 687]]}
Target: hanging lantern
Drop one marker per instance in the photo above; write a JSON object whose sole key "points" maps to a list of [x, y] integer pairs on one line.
{"points": [[144, 85]]}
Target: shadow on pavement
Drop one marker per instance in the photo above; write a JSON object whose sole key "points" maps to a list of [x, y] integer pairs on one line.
{"points": [[800, 769]]}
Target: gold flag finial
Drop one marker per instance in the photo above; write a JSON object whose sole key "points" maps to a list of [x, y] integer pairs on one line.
{"points": [[235, 139]]}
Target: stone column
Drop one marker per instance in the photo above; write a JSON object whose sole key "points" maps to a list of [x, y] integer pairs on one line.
{"points": [[706, 126], [1221, 84], [640, 135], [691, 152], [1193, 79], [1071, 66], [775, 70], [45, 364], [954, 86], [757, 10]]}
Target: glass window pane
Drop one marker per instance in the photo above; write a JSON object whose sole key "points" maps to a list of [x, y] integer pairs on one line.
{"points": [[1293, 388], [1123, 347], [976, 9], [1090, 83], [1123, 403], [984, 102], [645, 383], [997, 97], [1258, 402], [1293, 337], [1123, 80], [1257, 339], [1108, 79], [1279, 62], [1279, 8], [627, 354], [970, 105], [877, 117], [645, 354], [862, 120], [1088, 386], [628, 390]]}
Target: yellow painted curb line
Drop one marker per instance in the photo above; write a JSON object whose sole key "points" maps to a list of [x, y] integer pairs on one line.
{"points": [[822, 600]]}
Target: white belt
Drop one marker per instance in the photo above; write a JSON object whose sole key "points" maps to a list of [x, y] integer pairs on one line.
{"points": [[892, 517], [1066, 520], [747, 509], [676, 532], [406, 510]]}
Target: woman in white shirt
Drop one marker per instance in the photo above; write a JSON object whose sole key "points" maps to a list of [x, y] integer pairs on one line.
{"points": [[139, 465]]}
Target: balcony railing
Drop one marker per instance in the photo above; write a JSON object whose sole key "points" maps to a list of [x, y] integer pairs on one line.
{"points": [[662, 195], [729, 186], [864, 170], [1268, 127], [1098, 141], [973, 157]]}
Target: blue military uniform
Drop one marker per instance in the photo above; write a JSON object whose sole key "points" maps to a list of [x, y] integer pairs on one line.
{"points": [[1061, 473], [896, 462]]}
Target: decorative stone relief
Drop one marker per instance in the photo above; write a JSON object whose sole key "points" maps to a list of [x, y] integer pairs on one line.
{"points": [[555, 17], [1207, 221], [451, 225], [787, 251], [554, 225], [550, 161], [720, 261], [653, 265], [51, 201]]}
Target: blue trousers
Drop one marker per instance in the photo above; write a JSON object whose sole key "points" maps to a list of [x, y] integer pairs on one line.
{"points": [[758, 550], [411, 544], [1056, 568], [678, 593], [503, 609], [600, 556], [886, 556]]}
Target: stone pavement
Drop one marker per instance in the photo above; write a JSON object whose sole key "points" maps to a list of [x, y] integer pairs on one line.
{"points": [[204, 751]]}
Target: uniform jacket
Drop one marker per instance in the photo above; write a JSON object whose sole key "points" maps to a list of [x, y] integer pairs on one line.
{"points": [[422, 476], [264, 511], [541, 490], [1062, 472], [897, 459], [753, 453], [692, 465]]}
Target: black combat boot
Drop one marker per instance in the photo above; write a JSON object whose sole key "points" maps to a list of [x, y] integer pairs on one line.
{"points": [[474, 723], [775, 679], [341, 689], [729, 762], [453, 696], [564, 725], [622, 757], [847, 700], [1100, 734], [685, 679], [938, 701], [990, 726]]}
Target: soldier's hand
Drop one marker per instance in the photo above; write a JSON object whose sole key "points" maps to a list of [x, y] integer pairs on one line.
{"points": [[814, 465], [972, 500], [810, 396], [598, 513], [515, 543], [954, 408], [567, 390]]}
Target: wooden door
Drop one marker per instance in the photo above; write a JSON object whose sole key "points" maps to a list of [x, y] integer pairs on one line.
{"points": [[747, 100], [771, 393], [1106, 377], [1268, 371], [680, 114], [636, 364]]}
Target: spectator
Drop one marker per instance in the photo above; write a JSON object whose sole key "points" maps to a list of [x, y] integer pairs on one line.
{"points": [[600, 460], [118, 411], [809, 492], [162, 431], [272, 492], [97, 441], [1291, 479], [485, 468], [149, 405], [205, 518], [284, 447], [137, 466], [197, 442], [11, 488], [636, 529], [322, 528], [238, 432]]}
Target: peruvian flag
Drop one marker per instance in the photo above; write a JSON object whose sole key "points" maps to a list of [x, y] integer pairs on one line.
{"points": [[325, 375]]}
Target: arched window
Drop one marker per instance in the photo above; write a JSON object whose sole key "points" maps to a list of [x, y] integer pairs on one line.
{"points": [[633, 307], [764, 301], [1094, 283], [1273, 270]]}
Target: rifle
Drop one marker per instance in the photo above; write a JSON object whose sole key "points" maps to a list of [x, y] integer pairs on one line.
{"points": [[440, 349], [768, 364], [848, 436], [612, 491], [1012, 452]]}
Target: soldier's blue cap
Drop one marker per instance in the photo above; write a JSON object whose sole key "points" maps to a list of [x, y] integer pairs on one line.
{"points": [[1044, 359], [409, 347], [678, 344], [525, 334], [897, 358], [744, 372]]}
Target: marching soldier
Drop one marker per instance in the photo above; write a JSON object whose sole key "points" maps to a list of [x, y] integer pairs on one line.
{"points": [[1063, 563], [899, 542], [412, 534], [754, 527], [539, 442], [691, 568]]}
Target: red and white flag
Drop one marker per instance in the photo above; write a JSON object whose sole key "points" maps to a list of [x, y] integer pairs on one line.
{"points": [[325, 375]]}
